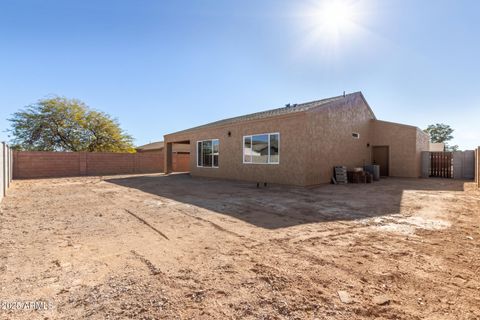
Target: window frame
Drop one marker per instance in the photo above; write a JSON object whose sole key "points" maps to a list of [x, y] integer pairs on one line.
{"points": [[213, 154], [355, 135], [251, 145]]}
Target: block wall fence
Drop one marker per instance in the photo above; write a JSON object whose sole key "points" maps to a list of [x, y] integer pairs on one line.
{"points": [[477, 167], [5, 169], [39, 164]]}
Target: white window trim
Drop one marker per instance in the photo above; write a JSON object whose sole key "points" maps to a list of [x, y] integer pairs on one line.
{"points": [[357, 135], [196, 153], [260, 134]]}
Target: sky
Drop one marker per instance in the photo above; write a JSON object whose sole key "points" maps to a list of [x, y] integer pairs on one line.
{"points": [[161, 66]]}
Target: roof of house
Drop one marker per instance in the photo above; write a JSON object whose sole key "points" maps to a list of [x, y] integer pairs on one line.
{"points": [[151, 146], [158, 145], [288, 109]]}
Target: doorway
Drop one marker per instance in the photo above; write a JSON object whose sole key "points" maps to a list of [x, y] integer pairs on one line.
{"points": [[381, 157]]}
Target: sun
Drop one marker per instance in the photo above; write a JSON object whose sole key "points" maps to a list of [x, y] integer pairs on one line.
{"points": [[331, 22], [336, 15]]}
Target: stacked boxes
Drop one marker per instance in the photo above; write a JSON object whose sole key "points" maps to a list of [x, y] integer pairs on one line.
{"points": [[359, 177], [340, 174]]}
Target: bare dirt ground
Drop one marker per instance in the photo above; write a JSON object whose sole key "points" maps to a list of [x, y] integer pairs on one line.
{"points": [[175, 247]]}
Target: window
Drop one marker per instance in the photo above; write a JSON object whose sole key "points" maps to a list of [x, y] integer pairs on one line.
{"points": [[247, 149], [261, 148], [207, 153], [356, 135]]}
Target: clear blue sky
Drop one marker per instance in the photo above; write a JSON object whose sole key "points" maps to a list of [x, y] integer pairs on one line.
{"points": [[163, 66]]}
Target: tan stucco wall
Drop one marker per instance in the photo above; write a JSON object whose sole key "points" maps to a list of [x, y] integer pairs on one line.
{"points": [[422, 144], [436, 147], [291, 169], [331, 142], [405, 143]]}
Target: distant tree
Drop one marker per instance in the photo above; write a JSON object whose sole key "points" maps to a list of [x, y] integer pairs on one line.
{"points": [[441, 133], [451, 148], [61, 124]]}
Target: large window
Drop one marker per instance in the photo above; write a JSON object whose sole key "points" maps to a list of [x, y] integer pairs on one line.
{"points": [[261, 148], [207, 153]]}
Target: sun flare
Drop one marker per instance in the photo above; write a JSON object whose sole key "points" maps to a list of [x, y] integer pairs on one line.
{"points": [[332, 22], [336, 15]]}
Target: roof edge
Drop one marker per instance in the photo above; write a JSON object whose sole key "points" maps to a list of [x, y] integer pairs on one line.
{"points": [[400, 124], [237, 119], [367, 104]]}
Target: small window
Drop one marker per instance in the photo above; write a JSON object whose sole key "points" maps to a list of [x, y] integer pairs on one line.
{"points": [[208, 153], [356, 135], [261, 148]]}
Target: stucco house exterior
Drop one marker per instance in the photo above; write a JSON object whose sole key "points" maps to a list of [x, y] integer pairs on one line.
{"points": [[300, 144]]}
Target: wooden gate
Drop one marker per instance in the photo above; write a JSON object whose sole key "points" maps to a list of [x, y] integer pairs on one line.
{"points": [[441, 164]]}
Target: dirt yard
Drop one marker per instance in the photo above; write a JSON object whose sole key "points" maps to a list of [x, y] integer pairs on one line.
{"points": [[177, 247]]}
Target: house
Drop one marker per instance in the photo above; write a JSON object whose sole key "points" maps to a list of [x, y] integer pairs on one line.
{"points": [[180, 154], [300, 144], [158, 147]]}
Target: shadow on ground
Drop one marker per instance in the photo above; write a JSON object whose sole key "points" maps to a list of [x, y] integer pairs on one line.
{"points": [[279, 206]]}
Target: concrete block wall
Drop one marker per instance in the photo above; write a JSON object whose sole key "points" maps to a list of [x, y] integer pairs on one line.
{"points": [[45, 164], [114, 163], [28, 165], [2, 172], [464, 164], [425, 164], [6, 169], [477, 167]]}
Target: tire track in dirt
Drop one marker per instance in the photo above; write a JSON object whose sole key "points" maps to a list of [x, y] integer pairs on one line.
{"points": [[146, 223], [182, 211], [153, 269], [213, 224], [104, 196]]}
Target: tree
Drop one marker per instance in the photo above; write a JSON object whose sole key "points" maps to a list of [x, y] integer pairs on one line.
{"points": [[441, 133], [61, 124], [451, 148]]}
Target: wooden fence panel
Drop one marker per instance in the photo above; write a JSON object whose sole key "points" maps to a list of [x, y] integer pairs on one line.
{"points": [[441, 164]]}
